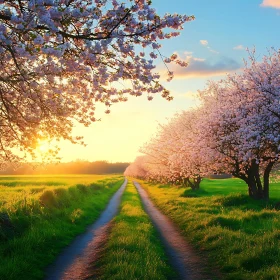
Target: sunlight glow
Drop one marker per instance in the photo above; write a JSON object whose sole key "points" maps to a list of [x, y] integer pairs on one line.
{"points": [[43, 146]]}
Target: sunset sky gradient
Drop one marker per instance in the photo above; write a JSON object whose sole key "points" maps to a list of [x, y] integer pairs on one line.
{"points": [[214, 44]]}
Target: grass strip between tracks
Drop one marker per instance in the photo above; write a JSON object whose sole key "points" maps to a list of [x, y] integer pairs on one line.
{"points": [[133, 250]]}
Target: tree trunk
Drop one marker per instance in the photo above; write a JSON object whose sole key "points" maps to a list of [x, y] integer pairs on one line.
{"points": [[254, 183], [195, 184], [258, 182], [185, 182], [252, 188], [256, 189], [197, 181], [266, 180]]}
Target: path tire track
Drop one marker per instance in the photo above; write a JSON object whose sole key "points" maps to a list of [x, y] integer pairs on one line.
{"points": [[182, 256], [76, 260]]}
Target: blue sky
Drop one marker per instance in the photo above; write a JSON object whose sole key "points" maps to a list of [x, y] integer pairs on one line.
{"points": [[214, 44], [225, 24]]}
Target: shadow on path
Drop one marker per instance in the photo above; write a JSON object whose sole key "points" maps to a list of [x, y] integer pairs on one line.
{"points": [[75, 261], [182, 256]]}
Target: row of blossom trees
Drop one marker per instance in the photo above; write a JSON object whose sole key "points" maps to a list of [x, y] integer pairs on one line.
{"points": [[236, 130]]}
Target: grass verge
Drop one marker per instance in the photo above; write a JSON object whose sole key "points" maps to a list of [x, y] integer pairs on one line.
{"points": [[241, 236], [35, 228], [133, 250]]}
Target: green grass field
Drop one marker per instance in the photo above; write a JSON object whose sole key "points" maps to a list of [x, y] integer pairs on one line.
{"points": [[40, 215], [14, 188], [239, 235], [133, 250]]}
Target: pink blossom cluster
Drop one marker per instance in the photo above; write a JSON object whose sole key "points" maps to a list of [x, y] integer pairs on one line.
{"points": [[59, 58]]}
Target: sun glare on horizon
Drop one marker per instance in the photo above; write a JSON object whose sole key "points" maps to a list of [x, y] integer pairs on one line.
{"points": [[44, 148], [43, 145]]}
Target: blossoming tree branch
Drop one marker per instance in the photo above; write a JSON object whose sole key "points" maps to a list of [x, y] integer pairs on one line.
{"points": [[60, 58]]}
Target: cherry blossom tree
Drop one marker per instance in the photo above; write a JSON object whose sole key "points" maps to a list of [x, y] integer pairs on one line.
{"points": [[242, 123], [157, 151], [172, 153], [137, 169], [235, 130], [189, 161], [59, 59]]}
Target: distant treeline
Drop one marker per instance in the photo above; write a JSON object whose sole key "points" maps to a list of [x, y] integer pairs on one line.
{"points": [[75, 167]]}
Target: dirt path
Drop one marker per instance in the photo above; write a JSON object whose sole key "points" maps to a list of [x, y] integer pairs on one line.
{"points": [[75, 262], [182, 256]]}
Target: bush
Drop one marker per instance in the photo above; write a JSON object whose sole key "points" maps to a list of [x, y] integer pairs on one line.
{"points": [[47, 199], [60, 192], [95, 186], [62, 197], [82, 188]]}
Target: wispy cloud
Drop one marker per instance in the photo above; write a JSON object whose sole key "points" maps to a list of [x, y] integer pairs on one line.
{"points": [[203, 42], [190, 95], [213, 51], [271, 3], [239, 48], [199, 67], [206, 44]]}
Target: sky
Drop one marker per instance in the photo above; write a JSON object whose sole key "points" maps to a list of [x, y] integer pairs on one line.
{"points": [[214, 44]]}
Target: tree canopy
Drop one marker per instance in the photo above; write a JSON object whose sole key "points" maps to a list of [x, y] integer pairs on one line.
{"points": [[59, 59], [235, 130]]}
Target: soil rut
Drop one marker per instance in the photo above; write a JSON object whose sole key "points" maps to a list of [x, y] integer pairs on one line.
{"points": [[182, 256], [75, 262]]}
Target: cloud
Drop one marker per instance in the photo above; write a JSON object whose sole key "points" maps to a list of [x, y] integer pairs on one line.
{"points": [[199, 67], [203, 42], [239, 48], [196, 58], [190, 95], [271, 3], [186, 53], [213, 51]]}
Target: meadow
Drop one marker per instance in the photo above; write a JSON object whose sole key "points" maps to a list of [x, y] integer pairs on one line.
{"points": [[40, 215], [240, 236]]}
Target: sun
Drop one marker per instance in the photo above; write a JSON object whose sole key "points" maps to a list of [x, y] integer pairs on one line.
{"points": [[46, 149], [43, 146]]}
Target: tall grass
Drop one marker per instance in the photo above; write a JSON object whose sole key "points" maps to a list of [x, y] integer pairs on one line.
{"points": [[241, 236], [37, 221], [133, 250], [14, 188]]}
